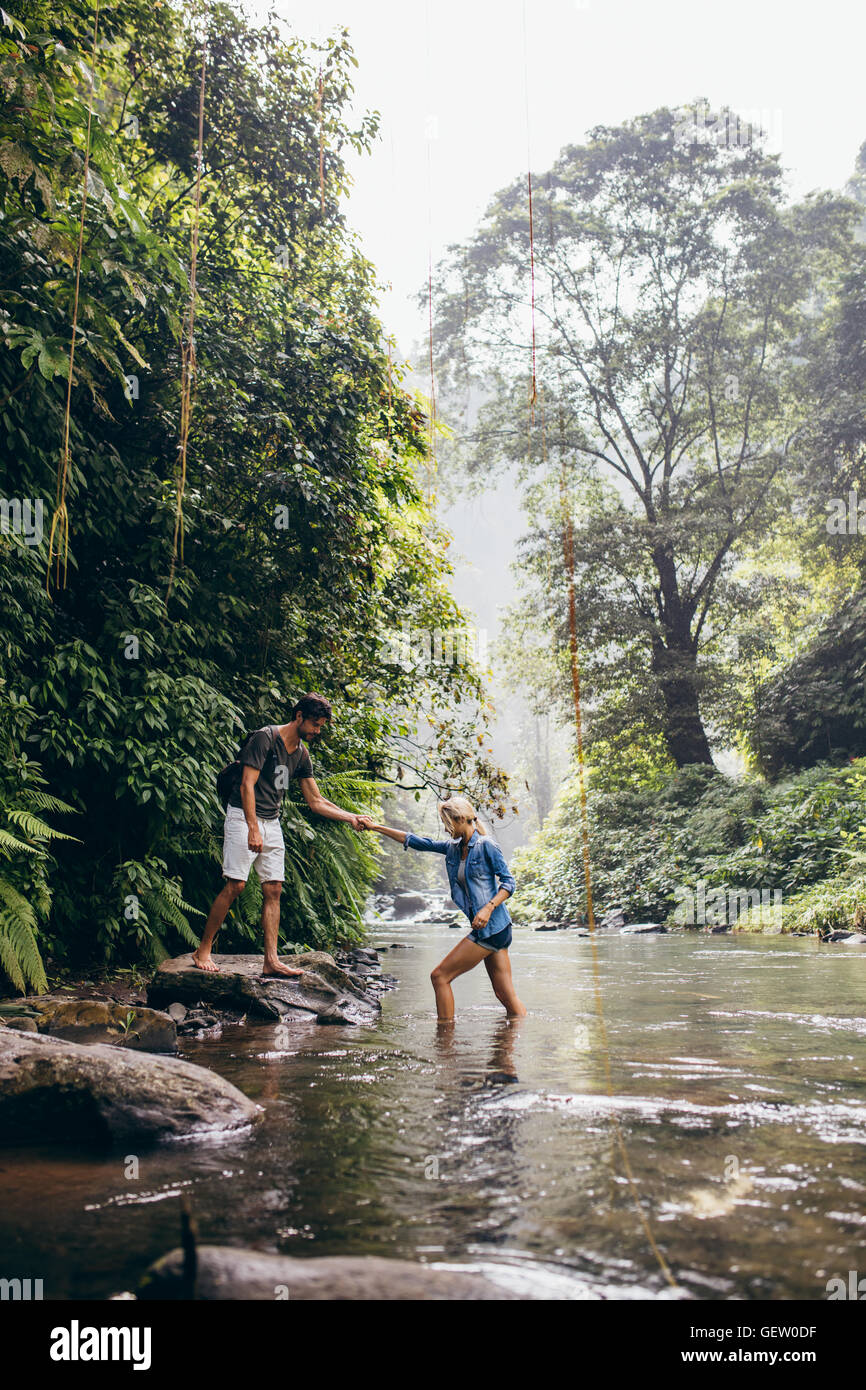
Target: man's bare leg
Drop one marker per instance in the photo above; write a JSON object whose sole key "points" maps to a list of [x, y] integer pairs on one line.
{"points": [[271, 929], [231, 890]]}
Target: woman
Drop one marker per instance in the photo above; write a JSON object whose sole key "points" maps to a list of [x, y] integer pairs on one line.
{"points": [[474, 862]]}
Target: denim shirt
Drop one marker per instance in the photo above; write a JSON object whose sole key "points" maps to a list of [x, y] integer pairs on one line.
{"points": [[484, 863]]}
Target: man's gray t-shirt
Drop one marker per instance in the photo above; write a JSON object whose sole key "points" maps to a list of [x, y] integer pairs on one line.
{"points": [[266, 751]]}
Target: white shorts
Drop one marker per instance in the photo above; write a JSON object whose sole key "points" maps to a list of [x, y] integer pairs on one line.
{"points": [[238, 858]]}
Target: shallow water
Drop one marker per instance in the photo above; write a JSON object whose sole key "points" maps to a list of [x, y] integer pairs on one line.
{"points": [[739, 1081]]}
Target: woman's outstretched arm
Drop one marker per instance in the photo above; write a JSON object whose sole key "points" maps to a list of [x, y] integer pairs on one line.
{"points": [[398, 835], [405, 837]]}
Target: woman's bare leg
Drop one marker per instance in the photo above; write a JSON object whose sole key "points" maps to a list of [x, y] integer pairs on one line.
{"points": [[465, 956], [499, 969]]}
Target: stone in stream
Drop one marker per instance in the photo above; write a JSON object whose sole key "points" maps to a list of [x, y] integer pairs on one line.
{"points": [[53, 1090], [614, 918], [855, 939], [96, 1021], [226, 1273], [239, 986], [408, 904], [643, 929]]}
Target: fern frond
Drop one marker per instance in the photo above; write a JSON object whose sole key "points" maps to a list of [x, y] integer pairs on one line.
{"points": [[162, 907], [8, 841], [31, 825], [16, 903], [44, 802], [21, 940]]}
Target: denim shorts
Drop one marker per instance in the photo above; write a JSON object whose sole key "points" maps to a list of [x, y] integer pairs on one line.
{"points": [[499, 941]]}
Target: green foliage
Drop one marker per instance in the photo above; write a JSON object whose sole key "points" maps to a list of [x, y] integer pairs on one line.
{"points": [[814, 710], [25, 894], [679, 302], [650, 844], [306, 539]]}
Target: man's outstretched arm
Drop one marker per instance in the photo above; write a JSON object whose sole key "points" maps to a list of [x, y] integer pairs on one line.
{"points": [[323, 807]]}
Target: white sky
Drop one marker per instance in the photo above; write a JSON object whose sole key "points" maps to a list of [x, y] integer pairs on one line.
{"points": [[464, 64]]}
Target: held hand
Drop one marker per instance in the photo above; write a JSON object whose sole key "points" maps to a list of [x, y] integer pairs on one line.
{"points": [[482, 917], [254, 840], [362, 823]]}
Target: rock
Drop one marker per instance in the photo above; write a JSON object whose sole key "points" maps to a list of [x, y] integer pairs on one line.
{"points": [[550, 926], [408, 904], [401, 946], [614, 918], [177, 1011], [643, 929], [721, 930], [855, 939], [53, 1090], [224, 1273], [239, 986], [102, 1021], [23, 1024], [335, 1013]]}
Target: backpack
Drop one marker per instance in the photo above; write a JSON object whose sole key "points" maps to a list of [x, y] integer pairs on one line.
{"points": [[228, 781]]}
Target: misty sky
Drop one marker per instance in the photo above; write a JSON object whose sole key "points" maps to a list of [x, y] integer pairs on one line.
{"points": [[458, 71]]}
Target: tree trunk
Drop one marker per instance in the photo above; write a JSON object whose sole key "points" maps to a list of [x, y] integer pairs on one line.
{"points": [[675, 667]]}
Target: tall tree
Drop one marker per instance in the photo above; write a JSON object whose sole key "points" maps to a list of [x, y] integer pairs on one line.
{"points": [[654, 316]]}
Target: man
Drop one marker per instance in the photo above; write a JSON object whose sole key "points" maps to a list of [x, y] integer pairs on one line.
{"points": [[252, 833]]}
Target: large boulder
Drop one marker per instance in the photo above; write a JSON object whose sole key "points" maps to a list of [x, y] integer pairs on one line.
{"points": [[94, 1021], [409, 904], [55, 1090], [225, 1273], [643, 929], [239, 986]]}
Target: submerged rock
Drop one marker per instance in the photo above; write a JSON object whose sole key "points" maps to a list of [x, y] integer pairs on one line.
{"points": [[226, 1273], [53, 1090], [239, 985], [643, 929], [96, 1021]]}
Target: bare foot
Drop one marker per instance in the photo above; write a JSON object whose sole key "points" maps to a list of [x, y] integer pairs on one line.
{"points": [[206, 963], [278, 969]]}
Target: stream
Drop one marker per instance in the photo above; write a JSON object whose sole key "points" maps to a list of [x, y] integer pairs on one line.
{"points": [[738, 1070]]}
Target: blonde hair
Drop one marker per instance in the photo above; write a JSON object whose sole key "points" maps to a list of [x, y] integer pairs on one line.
{"points": [[459, 806]]}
